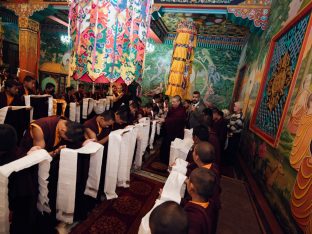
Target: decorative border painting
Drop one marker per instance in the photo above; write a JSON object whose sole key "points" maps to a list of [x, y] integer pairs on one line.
{"points": [[279, 77]]}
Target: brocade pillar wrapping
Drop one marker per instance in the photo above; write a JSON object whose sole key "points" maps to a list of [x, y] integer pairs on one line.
{"points": [[182, 59], [28, 47], [108, 39]]}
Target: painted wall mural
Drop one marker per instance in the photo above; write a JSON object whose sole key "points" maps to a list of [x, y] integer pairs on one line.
{"points": [[10, 32], [214, 72], [275, 169]]}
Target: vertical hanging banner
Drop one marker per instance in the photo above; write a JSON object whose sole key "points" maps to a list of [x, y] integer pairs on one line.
{"points": [[108, 39], [182, 59]]}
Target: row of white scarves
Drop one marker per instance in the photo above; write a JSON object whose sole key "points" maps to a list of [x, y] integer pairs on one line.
{"points": [[89, 105], [66, 188], [121, 149], [4, 110], [173, 190]]}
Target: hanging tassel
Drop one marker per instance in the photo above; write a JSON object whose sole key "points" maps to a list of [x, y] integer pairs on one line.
{"points": [[93, 88]]}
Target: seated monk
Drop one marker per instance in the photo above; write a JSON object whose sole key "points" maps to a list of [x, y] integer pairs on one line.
{"points": [[168, 218], [200, 134], [199, 210], [99, 127], [28, 87], [9, 96]]}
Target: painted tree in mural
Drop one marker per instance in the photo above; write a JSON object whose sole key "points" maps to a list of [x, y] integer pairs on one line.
{"points": [[182, 59], [108, 39]]}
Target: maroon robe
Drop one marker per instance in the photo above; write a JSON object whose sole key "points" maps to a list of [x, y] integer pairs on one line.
{"points": [[213, 139], [48, 126], [199, 218], [4, 102], [220, 128], [92, 124], [175, 122]]}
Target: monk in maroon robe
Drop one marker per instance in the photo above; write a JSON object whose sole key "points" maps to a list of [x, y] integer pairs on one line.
{"points": [[98, 128], [52, 134], [174, 125], [9, 97], [219, 126], [122, 118], [200, 210]]}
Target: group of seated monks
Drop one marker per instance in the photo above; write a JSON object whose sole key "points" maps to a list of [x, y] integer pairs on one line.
{"points": [[198, 211]]}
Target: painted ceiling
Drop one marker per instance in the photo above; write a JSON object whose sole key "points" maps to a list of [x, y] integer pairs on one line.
{"points": [[208, 24]]}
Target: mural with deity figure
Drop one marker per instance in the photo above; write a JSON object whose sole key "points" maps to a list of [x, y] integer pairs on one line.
{"points": [[284, 173], [211, 75]]}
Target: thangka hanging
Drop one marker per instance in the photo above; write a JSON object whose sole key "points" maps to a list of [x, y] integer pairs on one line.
{"points": [[182, 59], [108, 38]]}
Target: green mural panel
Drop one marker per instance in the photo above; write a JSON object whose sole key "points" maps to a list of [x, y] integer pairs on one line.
{"points": [[53, 49], [213, 74]]}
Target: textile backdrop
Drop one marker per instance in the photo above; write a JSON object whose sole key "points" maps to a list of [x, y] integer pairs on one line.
{"points": [[108, 39]]}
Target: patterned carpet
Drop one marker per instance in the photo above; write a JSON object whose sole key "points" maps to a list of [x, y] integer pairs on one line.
{"points": [[124, 214]]}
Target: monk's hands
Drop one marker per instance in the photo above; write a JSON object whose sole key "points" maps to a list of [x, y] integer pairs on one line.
{"points": [[87, 141], [57, 151]]}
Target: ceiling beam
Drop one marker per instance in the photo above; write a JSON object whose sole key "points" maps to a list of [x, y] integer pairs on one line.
{"points": [[58, 20]]}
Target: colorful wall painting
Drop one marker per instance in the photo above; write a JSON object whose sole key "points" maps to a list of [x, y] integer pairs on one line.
{"points": [[211, 75], [271, 166], [279, 78]]}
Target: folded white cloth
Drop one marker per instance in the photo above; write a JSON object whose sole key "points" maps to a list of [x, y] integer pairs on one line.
{"points": [[126, 156], [188, 133], [110, 100], [50, 103], [74, 112], [142, 140], [66, 187], [40, 157], [158, 126], [87, 107], [173, 186], [144, 227], [118, 143], [99, 106], [172, 191], [3, 113], [180, 166], [152, 136], [179, 149]]}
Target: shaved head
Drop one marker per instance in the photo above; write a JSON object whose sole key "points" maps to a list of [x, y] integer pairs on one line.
{"points": [[168, 218], [205, 152], [204, 182]]}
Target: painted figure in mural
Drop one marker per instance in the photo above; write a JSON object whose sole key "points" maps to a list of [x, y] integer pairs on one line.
{"points": [[213, 74], [272, 174], [301, 198], [300, 106], [301, 145]]}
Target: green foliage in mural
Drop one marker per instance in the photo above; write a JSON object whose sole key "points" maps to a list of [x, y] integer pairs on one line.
{"points": [[10, 32], [52, 49], [214, 72]]}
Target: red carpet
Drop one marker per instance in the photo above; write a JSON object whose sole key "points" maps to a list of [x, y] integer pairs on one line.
{"points": [[124, 214], [154, 165]]}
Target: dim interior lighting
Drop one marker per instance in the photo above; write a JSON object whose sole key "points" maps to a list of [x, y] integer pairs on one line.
{"points": [[65, 39]]}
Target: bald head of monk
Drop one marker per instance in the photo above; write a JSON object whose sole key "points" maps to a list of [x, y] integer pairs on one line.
{"points": [[201, 184], [204, 153], [168, 218]]}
